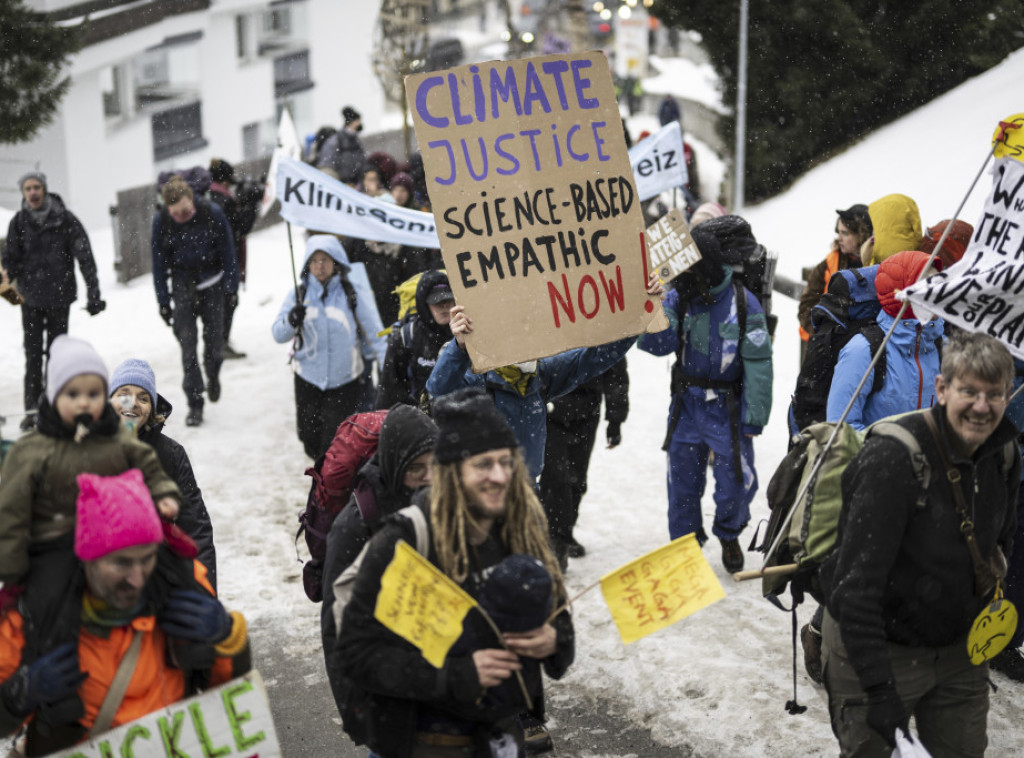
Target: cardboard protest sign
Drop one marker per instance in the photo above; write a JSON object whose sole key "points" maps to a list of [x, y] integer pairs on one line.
{"points": [[313, 200], [659, 162], [231, 720], [984, 290], [535, 204], [670, 247], [420, 604], [660, 588]]}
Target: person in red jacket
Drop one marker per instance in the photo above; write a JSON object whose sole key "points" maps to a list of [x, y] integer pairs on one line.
{"points": [[125, 603]]}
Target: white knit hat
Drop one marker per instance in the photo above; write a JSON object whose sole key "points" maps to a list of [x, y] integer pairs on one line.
{"points": [[71, 357]]}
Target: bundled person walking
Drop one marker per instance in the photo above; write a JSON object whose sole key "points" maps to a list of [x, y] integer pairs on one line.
{"points": [[415, 342], [334, 324], [916, 564], [721, 391], [44, 239], [183, 637], [402, 465], [481, 511], [193, 246], [133, 395]]}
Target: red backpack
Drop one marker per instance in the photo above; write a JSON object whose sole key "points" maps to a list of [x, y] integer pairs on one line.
{"points": [[333, 475]]}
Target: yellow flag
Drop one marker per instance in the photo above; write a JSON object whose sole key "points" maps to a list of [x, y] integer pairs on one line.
{"points": [[659, 588], [1012, 146], [420, 604]]}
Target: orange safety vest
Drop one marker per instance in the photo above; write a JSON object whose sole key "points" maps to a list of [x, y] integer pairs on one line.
{"points": [[831, 266]]}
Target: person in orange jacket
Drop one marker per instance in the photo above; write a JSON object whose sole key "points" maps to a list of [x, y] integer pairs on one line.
{"points": [[185, 637]]}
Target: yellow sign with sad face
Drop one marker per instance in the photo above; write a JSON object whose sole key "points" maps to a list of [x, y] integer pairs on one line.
{"points": [[992, 630]]}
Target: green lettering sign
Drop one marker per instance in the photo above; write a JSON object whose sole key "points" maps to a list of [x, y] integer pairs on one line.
{"points": [[209, 751], [127, 747], [171, 734], [237, 719]]}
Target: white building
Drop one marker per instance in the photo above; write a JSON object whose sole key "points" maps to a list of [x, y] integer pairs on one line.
{"points": [[166, 84]]}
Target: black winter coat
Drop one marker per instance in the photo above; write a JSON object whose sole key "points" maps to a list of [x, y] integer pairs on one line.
{"points": [[584, 402], [41, 258], [193, 518], [413, 347], [903, 573], [392, 684]]}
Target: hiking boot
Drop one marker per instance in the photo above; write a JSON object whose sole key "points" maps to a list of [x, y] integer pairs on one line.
{"points": [[230, 354], [810, 638], [536, 738], [562, 555], [575, 549], [195, 416], [213, 389], [732, 555], [1009, 663]]}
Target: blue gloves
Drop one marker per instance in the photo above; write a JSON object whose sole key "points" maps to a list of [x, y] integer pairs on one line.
{"points": [[193, 616], [52, 678]]}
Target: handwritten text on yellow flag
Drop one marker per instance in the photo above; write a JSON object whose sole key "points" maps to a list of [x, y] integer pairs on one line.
{"points": [[659, 588], [420, 604]]}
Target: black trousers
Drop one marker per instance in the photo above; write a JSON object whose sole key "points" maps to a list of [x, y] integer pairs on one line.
{"points": [[563, 481], [319, 412], [34, 322], [191, 304]]}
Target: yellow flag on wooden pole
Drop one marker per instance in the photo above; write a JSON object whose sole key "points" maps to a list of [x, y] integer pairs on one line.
{"points": [[660, 588], [420, 604]]}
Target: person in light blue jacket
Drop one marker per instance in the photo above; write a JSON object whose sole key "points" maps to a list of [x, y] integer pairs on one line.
{"points": [[335, 326], [912, 354]]}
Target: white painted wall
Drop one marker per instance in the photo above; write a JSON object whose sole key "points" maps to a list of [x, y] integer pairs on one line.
{"points": [[88, 158]]}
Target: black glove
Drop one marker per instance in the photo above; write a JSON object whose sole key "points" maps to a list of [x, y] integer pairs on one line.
{"points": [[614, 433], [193, 616], [296, 315], [94, 304], [231, 301], [52, 678], [167, 315], [885, 711]]}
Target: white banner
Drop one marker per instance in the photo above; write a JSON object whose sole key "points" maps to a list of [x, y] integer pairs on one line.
{"points": [[231, 720], [658, 162], [313, 200], [287, 146], [982, 292]]}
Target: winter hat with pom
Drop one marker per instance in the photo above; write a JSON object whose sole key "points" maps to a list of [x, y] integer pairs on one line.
{"points": [[897, 272], [136, 372], [71, 357], [956, 243], [402, 179], [517, 594], [469, 424], [114, 512], [897, 226]]}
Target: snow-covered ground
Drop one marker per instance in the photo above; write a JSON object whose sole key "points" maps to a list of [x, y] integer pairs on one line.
{"points": [[712, 685]]}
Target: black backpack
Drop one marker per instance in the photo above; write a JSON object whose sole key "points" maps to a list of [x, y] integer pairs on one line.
{"points": [[752, 264]]}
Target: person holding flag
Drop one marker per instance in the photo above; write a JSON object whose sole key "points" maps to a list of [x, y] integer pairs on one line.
{"points": [[486, 525]]}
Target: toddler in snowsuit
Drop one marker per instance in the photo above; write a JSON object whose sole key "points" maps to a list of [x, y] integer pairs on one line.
{"points": [[721, 390], [77, 432]]}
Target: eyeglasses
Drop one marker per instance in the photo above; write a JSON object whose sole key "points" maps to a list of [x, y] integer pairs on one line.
{"points": [[971, 395], [484, 465]]}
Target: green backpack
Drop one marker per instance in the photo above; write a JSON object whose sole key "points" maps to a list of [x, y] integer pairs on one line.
{"points": [[806, 530]]}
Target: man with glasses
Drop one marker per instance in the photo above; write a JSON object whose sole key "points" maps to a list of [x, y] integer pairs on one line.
{"points": [[481, 511], [903, 588]]}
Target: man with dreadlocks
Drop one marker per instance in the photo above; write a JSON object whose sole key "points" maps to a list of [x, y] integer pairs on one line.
{"points": [[486, 526]]}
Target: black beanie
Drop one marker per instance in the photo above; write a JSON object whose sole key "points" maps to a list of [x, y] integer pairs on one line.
{"points": [[350, 114], [221, 171], [469, 424], [517, 594]]}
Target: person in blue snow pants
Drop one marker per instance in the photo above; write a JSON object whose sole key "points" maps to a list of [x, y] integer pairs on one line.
{"points": [[721, 391]]}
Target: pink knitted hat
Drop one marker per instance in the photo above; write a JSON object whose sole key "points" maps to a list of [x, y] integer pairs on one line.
{"points": [[114, 512]]}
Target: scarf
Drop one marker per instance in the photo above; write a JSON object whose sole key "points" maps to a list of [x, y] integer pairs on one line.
{"points": [[97, 613]]}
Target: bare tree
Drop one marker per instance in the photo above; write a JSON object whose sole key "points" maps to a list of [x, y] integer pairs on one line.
{"points": [[400, 48]]}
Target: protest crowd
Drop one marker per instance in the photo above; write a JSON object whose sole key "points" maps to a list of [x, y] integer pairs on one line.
{"points": [[440, 449]]}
